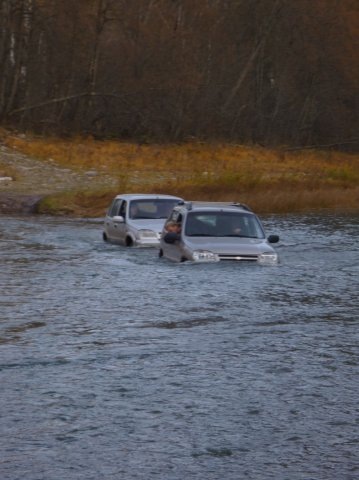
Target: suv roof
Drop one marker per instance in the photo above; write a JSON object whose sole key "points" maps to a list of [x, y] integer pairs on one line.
{"points": [[210, 206]]}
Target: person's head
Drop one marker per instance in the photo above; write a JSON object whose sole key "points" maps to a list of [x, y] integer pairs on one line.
{"points": [[173, 227]]}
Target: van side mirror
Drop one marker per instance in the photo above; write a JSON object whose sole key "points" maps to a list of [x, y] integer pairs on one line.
{"points": [[273, 239], [171, 237], [118, 219]]}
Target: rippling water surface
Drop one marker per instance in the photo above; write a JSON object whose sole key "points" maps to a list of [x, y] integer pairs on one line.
{"points": [[115, 364]]}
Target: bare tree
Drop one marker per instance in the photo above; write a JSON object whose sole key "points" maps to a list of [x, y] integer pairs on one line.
{"points": [[268, 71]]}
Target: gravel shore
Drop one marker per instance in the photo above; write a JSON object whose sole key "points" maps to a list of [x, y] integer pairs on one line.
{"points": [[34, 179]]}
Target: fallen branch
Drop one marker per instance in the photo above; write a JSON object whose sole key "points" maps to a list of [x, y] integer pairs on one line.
{"points": [[65, 99], [336, 144]]}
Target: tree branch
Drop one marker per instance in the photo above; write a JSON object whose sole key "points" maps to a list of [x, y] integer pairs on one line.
{"points": [[64, 99], [252, 57]]}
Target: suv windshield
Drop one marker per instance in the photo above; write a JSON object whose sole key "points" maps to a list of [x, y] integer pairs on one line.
{"points": [[151, 208], [223, 224]]}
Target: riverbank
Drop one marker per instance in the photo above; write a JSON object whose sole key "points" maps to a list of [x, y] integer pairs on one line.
{"points": [[80, 176]]}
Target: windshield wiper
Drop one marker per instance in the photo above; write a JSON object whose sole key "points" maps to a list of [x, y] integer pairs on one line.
{"points": [[199, 235], [241, 236]]}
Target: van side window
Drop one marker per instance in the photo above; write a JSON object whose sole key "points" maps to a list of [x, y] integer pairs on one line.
{"points": [[114, 207], [122, 210]]}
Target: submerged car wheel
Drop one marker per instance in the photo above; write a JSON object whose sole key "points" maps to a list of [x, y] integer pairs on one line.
{"points": [[104, 237], [129, 242], [160, 253]]}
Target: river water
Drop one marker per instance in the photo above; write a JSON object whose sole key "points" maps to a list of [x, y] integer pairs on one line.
{"points": [[116, 364]]}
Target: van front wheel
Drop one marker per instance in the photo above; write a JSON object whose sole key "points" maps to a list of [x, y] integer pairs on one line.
{"points": [[129, 242]]}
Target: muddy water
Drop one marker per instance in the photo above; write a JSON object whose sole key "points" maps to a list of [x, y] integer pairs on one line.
{"points": [[115, 364]]}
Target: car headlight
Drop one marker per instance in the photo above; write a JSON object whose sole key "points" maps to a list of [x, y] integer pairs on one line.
{"points": [[268, 258], [204, 256], [147, 234]]}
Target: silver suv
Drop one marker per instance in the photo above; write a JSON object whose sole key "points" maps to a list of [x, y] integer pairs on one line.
{"points": [[213, 231], [137, 219]]}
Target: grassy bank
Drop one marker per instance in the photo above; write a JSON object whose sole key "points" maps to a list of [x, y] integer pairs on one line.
{"points": [[268, 180]]}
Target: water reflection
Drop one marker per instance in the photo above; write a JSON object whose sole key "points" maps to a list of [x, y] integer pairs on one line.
{"points": [[116, 364]]}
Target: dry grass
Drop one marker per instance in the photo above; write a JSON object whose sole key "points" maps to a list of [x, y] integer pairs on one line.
{"points": [[268, 180]]}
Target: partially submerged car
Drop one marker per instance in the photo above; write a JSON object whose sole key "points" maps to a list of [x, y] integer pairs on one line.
{"points": [[137, 219], [214, 231]]}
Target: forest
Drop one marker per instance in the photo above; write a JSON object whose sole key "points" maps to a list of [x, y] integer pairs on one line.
{"points": [[266, 72]]}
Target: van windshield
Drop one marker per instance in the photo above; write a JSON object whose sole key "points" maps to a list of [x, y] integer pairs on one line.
{"points": [[151, 208]]}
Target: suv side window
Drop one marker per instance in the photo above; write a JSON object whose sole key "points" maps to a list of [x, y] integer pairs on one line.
{"points": [[177, 217], [173, 217]]}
